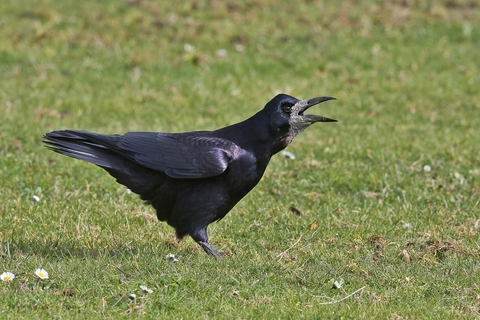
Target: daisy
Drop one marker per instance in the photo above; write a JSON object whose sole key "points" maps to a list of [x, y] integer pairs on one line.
{"points": [[7, 276], [41, 273]]}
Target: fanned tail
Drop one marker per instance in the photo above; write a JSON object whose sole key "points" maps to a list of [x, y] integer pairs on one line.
{"points": [[102, 150]]}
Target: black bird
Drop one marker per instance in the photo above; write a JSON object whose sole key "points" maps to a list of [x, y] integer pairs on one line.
{"points": [[193, 178]]}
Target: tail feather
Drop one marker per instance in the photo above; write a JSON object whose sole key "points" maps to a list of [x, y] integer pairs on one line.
{"points": [[102, 151], [86, 146]]}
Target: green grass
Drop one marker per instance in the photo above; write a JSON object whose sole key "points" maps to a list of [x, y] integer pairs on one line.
{"points": [[405, 74]]}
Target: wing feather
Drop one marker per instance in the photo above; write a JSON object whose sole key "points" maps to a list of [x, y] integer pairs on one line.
{"points": [[180, 155]]}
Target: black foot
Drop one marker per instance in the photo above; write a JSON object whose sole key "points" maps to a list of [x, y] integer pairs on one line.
{"points": [[210, 249]]}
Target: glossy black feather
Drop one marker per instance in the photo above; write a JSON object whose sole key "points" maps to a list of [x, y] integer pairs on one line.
{"points": [[181, 155], [191, 178]]}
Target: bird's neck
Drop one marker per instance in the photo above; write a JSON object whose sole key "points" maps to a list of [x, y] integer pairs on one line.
{"points": [[255, 135]]}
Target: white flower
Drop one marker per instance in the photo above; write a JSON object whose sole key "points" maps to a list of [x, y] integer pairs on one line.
{"points": [[427, 168], [239, 47], [188, 47], [288, 154], [7, 276], [221, 52], [41, 273], [171, 257], [146, 289], [337, 284]]}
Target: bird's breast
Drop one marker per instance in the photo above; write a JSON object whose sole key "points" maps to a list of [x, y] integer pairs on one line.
{"points": [[244, 173]]}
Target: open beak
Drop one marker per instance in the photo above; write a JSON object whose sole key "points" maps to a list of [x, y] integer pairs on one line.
{"points": [[301, 106]]}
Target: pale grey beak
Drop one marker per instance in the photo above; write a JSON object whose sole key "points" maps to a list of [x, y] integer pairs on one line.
{"points": [[301, 106]]}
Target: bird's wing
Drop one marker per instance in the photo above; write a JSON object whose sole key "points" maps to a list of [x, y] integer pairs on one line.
{"points": [[180, 155]]}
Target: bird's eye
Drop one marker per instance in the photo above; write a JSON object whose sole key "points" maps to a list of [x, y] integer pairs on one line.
{"points": [[287, 108]]}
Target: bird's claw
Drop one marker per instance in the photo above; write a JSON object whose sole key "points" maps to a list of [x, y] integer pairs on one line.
{"points": [[210, 249]]}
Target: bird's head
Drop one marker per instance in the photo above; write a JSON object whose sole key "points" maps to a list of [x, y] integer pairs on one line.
{"points": [[288, 115]]}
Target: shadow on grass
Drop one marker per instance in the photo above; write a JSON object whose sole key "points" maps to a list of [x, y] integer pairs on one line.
{"points": [[59, 249]]}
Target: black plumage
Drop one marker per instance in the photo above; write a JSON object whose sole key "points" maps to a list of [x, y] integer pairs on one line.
{"points": [[194, 178]]}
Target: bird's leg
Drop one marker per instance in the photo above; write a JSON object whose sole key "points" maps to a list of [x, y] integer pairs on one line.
{"points": [[201, 238], [210, 249]]}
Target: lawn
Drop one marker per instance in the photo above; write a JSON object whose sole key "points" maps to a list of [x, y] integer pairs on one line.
{"points": [[386, 203]]}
